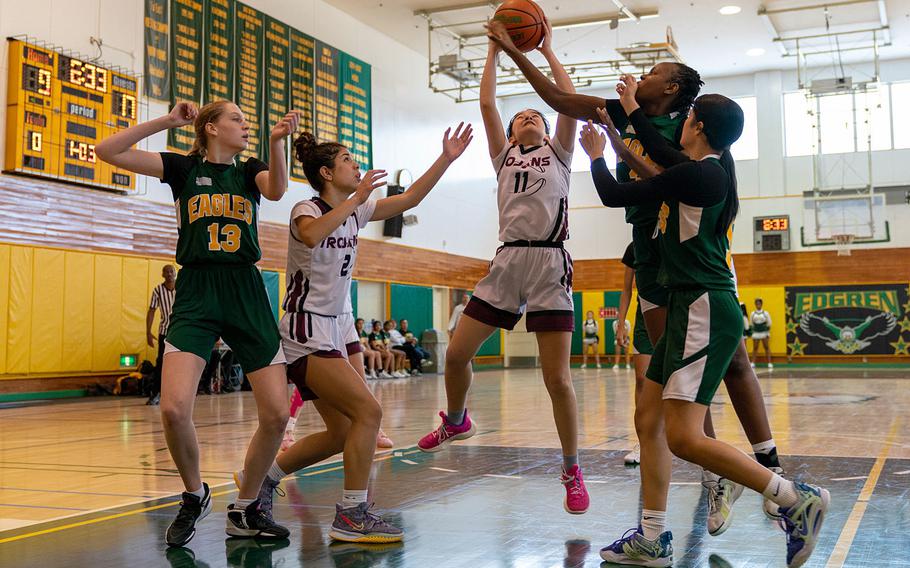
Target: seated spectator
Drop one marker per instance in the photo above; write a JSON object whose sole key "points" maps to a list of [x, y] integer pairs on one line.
{"points": [[399, 343], [409, 337], [380, 342], [372, 359], [400, 356]]}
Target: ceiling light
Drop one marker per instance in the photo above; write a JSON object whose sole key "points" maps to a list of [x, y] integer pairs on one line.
{"points": [[730, 10], [755, 52]]}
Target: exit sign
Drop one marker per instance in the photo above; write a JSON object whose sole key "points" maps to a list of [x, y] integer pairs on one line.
{"points": [[128, 361]]}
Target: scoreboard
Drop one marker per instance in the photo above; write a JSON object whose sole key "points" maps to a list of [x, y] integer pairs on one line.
{"points": [[58, 108]]}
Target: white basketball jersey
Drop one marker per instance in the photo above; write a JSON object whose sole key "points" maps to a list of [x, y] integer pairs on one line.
{"points": [[533, 193], [319, 279]]}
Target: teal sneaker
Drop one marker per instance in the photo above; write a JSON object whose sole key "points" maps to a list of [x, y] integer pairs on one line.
{"points": [[803, 521], [634, 549]]}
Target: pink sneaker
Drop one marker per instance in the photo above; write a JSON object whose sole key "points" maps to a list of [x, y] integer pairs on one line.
{"points": [[447, 433], [383, 441], [577, 500]]}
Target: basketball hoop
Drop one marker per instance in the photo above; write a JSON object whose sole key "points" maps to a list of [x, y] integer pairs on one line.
{"points": [[843, 243]]}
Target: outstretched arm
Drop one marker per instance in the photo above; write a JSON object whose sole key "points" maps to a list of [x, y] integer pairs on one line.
{"points": [[313, 230], [565, 124], [581, 107], [492, 122], [642, 167], [273, 183], [452, 148], [118, 150]]}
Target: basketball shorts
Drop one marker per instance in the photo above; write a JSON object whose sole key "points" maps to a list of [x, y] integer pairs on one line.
{"points": [[761, 334], [536, 280], [640, 340], [701, 337], [591, 340], [228, 302], [305, 334], [352, 343], [651, 294]]}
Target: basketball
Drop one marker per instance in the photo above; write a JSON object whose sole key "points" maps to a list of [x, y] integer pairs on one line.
{"points": [[525, 22]]}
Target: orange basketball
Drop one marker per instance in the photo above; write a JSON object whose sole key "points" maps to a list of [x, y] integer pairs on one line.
{"points": [[524, 20]]}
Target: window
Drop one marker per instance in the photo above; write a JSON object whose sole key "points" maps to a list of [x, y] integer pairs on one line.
{"points": [[873, 109], [746, 148], [836, 122], [800, 135], [580, 160], [901, 115]]}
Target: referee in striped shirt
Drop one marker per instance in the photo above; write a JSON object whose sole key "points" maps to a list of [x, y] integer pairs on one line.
{"points": [[163, 300]]}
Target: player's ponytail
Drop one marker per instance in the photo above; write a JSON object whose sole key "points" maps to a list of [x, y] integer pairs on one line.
{"points": [[313, 156], [722, 124], [209, 113]]}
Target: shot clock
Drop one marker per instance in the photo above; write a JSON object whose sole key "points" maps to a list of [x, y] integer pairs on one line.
{"points": [[59, 107], [771, 233]]}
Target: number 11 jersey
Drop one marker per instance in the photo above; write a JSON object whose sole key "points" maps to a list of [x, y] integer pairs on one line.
{"points": [[319, 278]]}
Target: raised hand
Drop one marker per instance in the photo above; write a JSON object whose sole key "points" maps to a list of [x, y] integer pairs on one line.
{"points": [[182, 114], [455, 145], [370, 181], [287, 125], [627, 89], [547, 44], [606, 123], [499, 35], [592, 141]]}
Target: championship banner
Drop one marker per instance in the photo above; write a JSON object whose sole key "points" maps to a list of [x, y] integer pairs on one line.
{"points": [[186, 65], [218, 51], [865, 319], [250, 45], [303, 49], [157, 78], [277, 77], [326, 92], [354, 124]]}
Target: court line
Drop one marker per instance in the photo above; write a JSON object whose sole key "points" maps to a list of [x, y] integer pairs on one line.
{"points": [[160, 506], [851, 527]]}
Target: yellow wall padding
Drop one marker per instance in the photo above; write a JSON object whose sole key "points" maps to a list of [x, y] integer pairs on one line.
{"points": [[106, 324], [134, 297], [45, 353], [78, 302], [774, 301], [154, 279], [19, 325], [4, 302]]}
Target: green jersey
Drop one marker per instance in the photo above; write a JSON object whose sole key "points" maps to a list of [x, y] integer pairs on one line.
{"points": [[217, 208]]}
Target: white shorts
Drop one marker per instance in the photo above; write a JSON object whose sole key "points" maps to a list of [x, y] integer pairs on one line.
{"points": [[303, 334], [590, 340], [533, 279], [349, 333], [761, 334]]}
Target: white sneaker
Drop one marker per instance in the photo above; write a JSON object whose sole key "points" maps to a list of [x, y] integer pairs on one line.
{"points": [[385, 375], [598, 366], [633, 457], [399, 374], [615, 367], [770, 366], [722, 495], [583, 366]]}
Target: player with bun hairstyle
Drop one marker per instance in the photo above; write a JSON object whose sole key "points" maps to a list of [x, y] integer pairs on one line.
{"points": [[322, 251], [531, 272], [220, 293]]}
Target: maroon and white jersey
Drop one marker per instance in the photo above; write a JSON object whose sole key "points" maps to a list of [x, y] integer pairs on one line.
{"points": [[319, 279], [533, 193]]}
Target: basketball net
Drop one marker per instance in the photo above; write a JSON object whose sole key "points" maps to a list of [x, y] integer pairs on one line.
{"points": [[843, 243]]}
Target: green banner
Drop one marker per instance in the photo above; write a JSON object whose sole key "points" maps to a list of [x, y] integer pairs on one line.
{"points": [[303, 49], [186, 65], [218, 51], [277, 72], [326, 92], [157, 76], [250, 45], [354, 112]]}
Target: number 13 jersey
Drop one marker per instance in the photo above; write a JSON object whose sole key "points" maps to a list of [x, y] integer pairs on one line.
{"points": [[533, 195], [319, 278]]}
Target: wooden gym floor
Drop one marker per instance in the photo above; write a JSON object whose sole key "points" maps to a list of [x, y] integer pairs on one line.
{"points": [[90, 483]]}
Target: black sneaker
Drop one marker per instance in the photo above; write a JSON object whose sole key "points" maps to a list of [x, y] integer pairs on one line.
{"points": [[253, 523], [266, 492], [252, 553], [192, 510]]}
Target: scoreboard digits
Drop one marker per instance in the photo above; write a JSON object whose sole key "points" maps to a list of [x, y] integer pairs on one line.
{"points": [[59, 108]]}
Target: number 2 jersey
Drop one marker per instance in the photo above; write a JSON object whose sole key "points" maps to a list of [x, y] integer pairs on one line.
{"points": [[533, 195], [319, 278], [217, 209]]}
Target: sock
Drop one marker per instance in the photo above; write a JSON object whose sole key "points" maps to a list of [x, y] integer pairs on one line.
{"points": [[242, 503], [275, 472], [353, 497], [568, 462], [708, 476], [199, 492], [766, 453], [781, 491], [455, 418], [653, 523]]}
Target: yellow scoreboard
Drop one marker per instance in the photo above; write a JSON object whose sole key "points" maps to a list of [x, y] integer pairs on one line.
{"points": [[58, 108]]}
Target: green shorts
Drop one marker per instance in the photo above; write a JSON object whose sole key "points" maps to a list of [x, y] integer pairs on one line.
{"points": [[228, 302], [647, 266], [704, 330], [640, 339]]}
